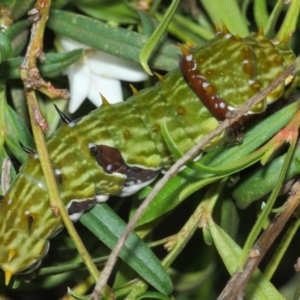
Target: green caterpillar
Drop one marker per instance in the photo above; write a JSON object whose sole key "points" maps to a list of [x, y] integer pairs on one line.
{"points": [[118, 149]]}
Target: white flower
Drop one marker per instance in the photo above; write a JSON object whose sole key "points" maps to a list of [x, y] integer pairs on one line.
{"points": [[98, 72]]}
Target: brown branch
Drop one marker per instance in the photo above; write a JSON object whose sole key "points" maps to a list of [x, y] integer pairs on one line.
{"points": [[176, 168], [32, 80], [29, 72], [237, 283]]}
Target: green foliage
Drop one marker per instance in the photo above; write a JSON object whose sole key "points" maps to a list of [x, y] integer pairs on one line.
{"points": [[194, 215]]}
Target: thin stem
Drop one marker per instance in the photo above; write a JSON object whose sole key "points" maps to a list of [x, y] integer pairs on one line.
{"points": [[197, 219], [27, 70], [281, 249], [235, 286]]}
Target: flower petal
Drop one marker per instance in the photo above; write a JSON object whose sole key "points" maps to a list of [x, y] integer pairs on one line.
{"points": [[80, 81], [106, 65], [109, 88], [68, 44]]}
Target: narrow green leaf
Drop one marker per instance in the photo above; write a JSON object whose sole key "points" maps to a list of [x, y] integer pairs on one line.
{"points": [[108, 10], [155, 37], [254, 138], [16, 28], [220, 170], [259, 287], [3, 155], [3, 103], [78, 297], [282, 249], [108, 227], [54, 62], [184, 34], [139, 288], [144, 192], [264, 215], [229, 217], [7, 3], [206, 236], [290, 21], [228, 12], [193, 187], [269, 28], [201, 32], [152, 295], [18, 34], [16, 131], [184, 281], [131, 289], [168, 198], [261, 14], [57, 4], [261, 181], [187, 181], [147, 22], [21, 7], [116, 41], [245, 5], [5, 47], [3, 130]]}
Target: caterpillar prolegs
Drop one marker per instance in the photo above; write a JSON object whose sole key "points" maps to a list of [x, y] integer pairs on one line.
{"points": [[118, 149]]}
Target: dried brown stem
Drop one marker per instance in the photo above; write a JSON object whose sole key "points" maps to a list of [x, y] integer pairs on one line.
{"points": [[29, 72], [237, 283], [32, 80]]}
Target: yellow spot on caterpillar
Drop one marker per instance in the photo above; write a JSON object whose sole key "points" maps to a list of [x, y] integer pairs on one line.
{"points": [[8, 275], [255, 86], [159, 77], [258, 108], [237, 38], [246, 50], [184, 50], [208, 73], [11, 254], [287, 38], [217, 27], [261, 30], [289, 79], [190, 45], [225, 29], [127, 134], [156, 127], [181, 110], [201, 60], [133, 89], [248, 68], [278, 59], [104, 100], [209, 90]]}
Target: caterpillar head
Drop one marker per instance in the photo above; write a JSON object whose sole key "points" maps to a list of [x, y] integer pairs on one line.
{"points": [[21, 259]]}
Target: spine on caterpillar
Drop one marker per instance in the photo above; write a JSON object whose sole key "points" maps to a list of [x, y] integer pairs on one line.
{"points": [[118, 149]]}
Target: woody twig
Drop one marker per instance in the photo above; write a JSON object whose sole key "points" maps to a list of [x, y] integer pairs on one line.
{"points": [[33, 81], [29, 72], [237, 283]]}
